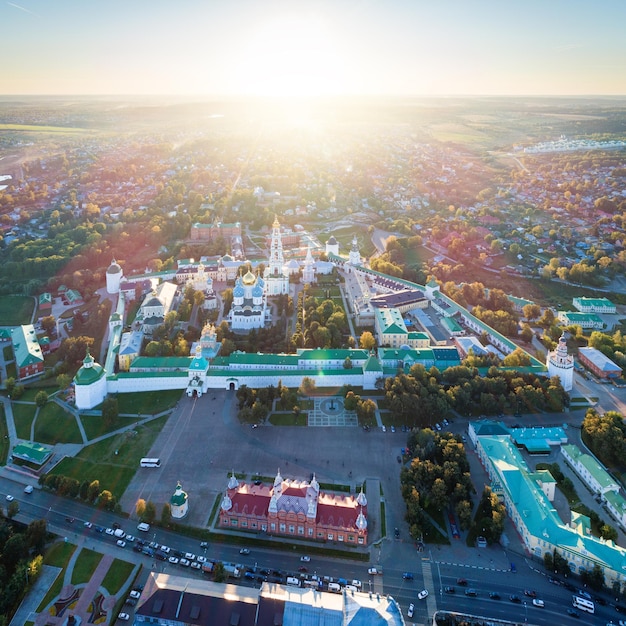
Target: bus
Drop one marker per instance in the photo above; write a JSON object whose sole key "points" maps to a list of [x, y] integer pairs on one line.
{"points": [[583, 604], [145, 462]]}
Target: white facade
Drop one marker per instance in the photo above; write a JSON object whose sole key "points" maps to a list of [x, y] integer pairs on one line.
{"points": [[249, 308], [561, 364]]}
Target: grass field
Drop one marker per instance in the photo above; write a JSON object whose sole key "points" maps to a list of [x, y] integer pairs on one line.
{"points": [[23, 415], [114, 471], [16, 310], [54, 425], [148, 402], [58, 556], [117, 575], [95, 426], [4, 437], [85, 566], [31, 391], [288, 419]]}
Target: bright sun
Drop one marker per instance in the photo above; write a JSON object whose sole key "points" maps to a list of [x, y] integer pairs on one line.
{"points": [[294, 57]]}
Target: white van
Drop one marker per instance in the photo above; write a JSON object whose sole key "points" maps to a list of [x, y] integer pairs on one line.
{"points": [[294, 582], [28, 489], [143, 527], [335, 587]]}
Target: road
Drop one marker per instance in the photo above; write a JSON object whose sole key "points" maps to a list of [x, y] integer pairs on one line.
{"points": [[488, 570]]}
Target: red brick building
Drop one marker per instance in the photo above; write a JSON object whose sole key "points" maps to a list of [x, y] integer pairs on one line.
{"points": [[294, 508]]}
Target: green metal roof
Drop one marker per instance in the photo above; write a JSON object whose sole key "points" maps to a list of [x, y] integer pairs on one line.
{"points": [[332, 355], [33, 452], [25, 345], [161, 362], [599, 474]]}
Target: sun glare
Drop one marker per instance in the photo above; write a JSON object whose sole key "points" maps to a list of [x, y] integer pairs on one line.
{"points": [[293, 57]]}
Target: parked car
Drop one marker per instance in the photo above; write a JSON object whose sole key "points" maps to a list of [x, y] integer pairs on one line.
{"points": [[10, 498], [190, 556], [173, 560], [134, 594], [166, 549], [201, 559], [196, 565], [109, 531], [411, 610], [123, 616], [121, 543], [422, 594], [184, 562], [407, 576]]}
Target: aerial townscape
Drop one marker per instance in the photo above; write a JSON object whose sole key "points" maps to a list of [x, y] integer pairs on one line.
{"points": [[304, 323]]}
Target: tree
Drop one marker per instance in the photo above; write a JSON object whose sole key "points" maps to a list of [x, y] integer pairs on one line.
{"points": [[105, 500], [150, 512], [41, 398], [166, 514], [48, 323], [307, 386], [9, 385], [367, 341], [548, 561], [36, 534], [140, 508], [94, 490], [219, 573], [110, 410], [13, 509], [63, 381]]}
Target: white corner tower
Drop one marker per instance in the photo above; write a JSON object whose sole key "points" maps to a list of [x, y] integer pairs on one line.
{"points": [[354, 257], [561, 364], [114, 277]]}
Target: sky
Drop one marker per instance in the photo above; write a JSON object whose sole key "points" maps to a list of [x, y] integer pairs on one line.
{"points": [[304, 48]]}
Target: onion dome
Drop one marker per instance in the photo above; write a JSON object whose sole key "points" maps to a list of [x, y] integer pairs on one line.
{"points": [[233, 483], [361, 521], [238, 291], [361, 499], [179, 497], [249, 278]]}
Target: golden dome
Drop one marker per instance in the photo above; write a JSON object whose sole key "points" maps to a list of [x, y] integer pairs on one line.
{"points": [[248, 278]]}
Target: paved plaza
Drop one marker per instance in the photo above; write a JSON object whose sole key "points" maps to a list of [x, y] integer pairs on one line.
{"points": [[331, 412], [203, 442]]}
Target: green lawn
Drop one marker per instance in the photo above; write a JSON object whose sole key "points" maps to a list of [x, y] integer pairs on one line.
{"points": [[58, 556], [117, 575], [95, 426], [148, 402], [4, 437], [114, 471], [85, 566], [32, 390], [16, 310], [288, 419], [55, 425], [23, 415]]}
